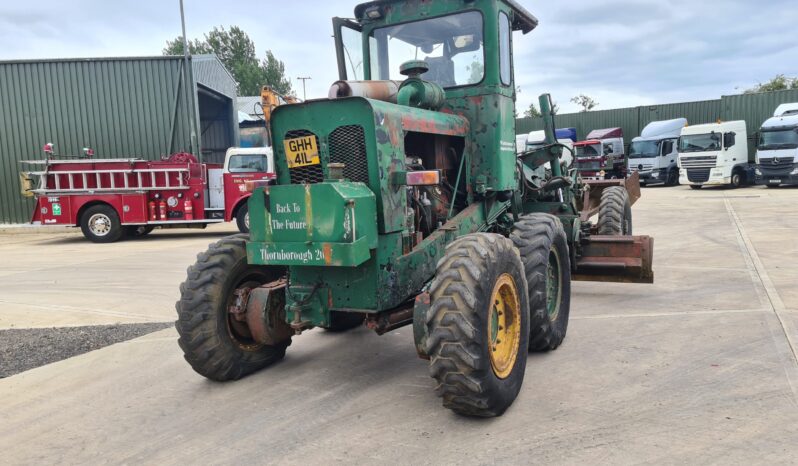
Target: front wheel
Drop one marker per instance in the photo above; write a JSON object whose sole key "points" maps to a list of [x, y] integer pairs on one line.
{"points": [[215, 344], [736, 179], [478, 325], [242, 218], [541, 240], [615, 212], [100, 224], [673, 178]]}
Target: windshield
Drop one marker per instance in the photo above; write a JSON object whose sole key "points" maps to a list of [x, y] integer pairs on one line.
{"points": [[784, 139], [451, 46], [247, 163], [588, 151], [700, 142], [644, 149]]}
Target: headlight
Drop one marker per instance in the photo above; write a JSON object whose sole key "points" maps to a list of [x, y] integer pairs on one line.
{"points": [[759, 172], [655, 173], [794, 171]]}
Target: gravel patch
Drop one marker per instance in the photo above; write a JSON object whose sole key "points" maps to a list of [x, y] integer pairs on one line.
{"points": [[25, 349]]}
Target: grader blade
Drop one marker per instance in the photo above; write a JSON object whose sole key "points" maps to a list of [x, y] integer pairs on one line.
{"points": [[618, 259]]}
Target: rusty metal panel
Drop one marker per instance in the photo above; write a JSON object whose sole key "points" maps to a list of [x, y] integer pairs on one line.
{"points": [[120, 107]]}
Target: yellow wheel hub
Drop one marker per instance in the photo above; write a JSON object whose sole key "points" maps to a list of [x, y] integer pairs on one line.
{"points": [[504, 326]]}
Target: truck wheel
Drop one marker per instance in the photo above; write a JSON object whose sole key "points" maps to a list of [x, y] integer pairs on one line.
{"points": [[695, 186], [242, 218], [213, 342], [138, 231], [673, 178], [615, 212], [100, 224], [478, 325], [736, 179], [343, 321], [544, 252]]}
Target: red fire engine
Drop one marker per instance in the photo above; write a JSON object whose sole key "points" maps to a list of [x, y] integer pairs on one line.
{"points": [[112, 198]]}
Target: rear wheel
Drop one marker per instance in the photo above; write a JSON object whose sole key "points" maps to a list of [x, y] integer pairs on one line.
{"points": [[478, 325], [544, 252], [217, 345], [100, 224], [242, 218], [615, 212]]}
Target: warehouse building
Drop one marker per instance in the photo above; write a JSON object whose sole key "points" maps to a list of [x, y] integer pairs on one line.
{"points": [[119, 107]]}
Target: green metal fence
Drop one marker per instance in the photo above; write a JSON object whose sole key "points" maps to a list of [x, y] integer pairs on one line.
{"points": [[120, 107]]}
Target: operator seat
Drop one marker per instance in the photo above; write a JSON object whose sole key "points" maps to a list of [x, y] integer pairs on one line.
{"points": [[441, 71]]}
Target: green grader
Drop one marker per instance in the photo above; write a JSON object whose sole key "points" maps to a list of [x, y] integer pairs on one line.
{"points": [[400, 200]]}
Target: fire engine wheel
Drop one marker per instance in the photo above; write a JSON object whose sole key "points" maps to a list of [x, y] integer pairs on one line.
{"points": [[100, 224], [213, 342], [615, 212], [541, 240], [242, 218], [478, 325]]}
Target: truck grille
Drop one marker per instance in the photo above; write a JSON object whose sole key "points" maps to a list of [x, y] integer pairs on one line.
{"points": [[348, 146], [594, 165], [699, 162], [698, 175], [781, 167], [309, 174]]}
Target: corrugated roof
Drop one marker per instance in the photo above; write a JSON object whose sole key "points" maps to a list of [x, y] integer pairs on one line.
{"points": [[250, 105]]}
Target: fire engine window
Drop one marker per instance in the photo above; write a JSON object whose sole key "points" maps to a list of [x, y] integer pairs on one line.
{"points": [[247, 163], [504, 48], [451, 45]]}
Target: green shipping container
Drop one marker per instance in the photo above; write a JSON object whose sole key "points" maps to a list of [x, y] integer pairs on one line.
{"points": [[120, 107]]}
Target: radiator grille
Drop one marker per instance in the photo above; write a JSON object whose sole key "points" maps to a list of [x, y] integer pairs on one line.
{"points": [[348, 146], [776, 166], [698, 175], [699, 162], [311, 173]]}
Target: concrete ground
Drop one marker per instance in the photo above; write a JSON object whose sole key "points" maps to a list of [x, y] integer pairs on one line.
{"points": [[698, 368]]}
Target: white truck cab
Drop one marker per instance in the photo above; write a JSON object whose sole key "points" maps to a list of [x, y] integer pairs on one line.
{"points": [[654, 154], [714, 154], [537, 139], [249, 159], [777, 148]]}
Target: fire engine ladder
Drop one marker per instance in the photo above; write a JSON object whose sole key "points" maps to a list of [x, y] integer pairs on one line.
{"points": [[146, 179]]}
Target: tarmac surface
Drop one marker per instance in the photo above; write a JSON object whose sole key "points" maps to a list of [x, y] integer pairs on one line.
{"points": [[700, 367]]}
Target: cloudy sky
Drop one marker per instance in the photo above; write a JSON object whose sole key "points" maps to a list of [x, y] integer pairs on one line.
{"points": [[621, 52]]}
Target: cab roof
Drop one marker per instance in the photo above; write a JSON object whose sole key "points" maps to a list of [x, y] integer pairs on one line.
{"points": [[523, 20]]}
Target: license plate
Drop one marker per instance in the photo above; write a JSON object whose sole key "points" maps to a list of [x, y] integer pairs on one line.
{"points": [[301, 152], [774, 181]]}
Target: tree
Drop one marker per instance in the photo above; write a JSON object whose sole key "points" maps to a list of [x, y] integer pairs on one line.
{"points": [[779, 83], [532, 112], [237, 52], [586, 102], [274, 72]]}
